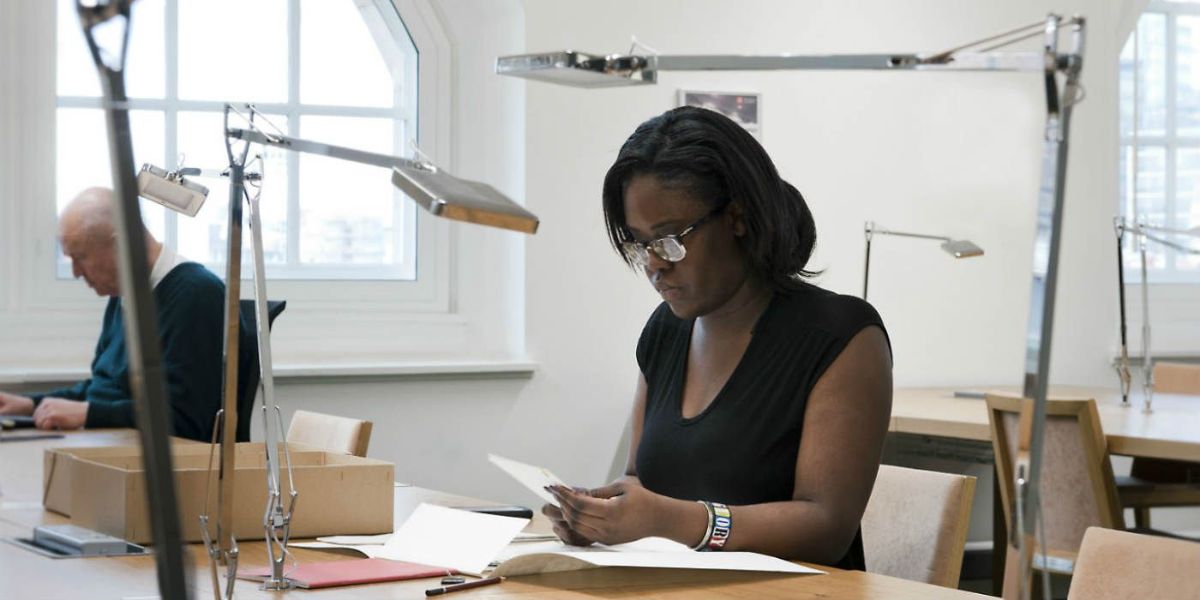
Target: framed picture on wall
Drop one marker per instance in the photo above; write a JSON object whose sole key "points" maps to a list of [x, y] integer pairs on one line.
{"points": [[744, 108]]}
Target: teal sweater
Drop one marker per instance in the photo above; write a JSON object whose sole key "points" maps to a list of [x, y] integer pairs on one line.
{"points": [[190, 302]]}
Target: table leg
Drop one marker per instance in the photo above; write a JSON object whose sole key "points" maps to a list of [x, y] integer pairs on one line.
{"points": [[999, 537]]}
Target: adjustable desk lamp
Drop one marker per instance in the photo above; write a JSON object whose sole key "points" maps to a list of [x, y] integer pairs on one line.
{"points": [[953, 247], [593, 71], [1141, 231], [438, 192]]}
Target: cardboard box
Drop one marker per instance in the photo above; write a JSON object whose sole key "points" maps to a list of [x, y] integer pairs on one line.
{"points": [[58, 464], [338, 494]]}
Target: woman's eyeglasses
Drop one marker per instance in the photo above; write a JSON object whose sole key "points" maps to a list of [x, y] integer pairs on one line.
{"points": [[669, 247]]}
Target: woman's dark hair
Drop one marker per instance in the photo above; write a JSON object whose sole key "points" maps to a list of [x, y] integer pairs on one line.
{"points": [[718, 162]]}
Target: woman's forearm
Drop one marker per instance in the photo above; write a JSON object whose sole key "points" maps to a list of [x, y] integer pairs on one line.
{"points": [[797, 529]]}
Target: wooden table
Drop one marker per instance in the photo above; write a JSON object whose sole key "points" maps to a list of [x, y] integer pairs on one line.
{"points": [[1172, 431], [28, 575]]}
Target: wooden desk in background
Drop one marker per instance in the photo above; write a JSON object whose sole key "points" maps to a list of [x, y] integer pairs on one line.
{"points": [[28, 575], [1172, 431]]}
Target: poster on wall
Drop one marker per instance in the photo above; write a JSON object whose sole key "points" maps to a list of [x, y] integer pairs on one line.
{"points": [[742, 108]]}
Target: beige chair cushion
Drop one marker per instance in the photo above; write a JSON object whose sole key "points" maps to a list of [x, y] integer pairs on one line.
{"points": [[1069, 503], [1176, 378], [915, 524], [330, 432], [1116, 565]]}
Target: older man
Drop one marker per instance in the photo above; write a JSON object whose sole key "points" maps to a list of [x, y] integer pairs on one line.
{"points": [[190, 302]]}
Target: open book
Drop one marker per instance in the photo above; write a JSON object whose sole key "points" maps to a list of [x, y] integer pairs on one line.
{"points": [[551, 557]]}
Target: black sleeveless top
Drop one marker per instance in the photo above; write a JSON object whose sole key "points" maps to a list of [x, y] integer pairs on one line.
{"points": [[742, 448]]}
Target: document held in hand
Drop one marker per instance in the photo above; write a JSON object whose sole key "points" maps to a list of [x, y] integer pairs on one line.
{"points": [[534, 478]]}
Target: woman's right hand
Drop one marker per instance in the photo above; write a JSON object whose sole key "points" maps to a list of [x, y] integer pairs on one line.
{"points": [[562, 529]]}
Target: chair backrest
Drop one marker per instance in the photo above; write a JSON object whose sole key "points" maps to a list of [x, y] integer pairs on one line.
{"points": [[330, 432], [1176, 378], [248, 366], [1077, 487], [915, 525], [1116, 565]]}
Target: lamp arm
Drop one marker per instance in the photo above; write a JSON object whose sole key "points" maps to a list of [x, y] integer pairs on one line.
{"points": [[386, 161], [923, 236], [1170, 244], [1192, 232], [1051, 197], [1123, 373], [867, 267], [1147, 360]]}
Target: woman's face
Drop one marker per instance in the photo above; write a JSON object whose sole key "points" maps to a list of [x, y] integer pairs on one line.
{"points": [[714, 267]]}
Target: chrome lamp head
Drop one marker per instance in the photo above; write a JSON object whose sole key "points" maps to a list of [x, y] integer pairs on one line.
{"points": [[171, 189], [962, 248], [581, 70]]}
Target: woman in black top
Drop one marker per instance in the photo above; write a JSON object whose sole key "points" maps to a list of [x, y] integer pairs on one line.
{"points": [[759, 391]]}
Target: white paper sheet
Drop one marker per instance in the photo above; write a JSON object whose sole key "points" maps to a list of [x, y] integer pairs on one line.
{"points": [[451, 538], [534, 478], [525, 559]]}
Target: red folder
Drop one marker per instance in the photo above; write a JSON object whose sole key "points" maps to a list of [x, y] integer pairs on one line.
{"points": [[336, 573]]}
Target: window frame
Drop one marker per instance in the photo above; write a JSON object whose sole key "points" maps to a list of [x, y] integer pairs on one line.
{"points": [[451, 314], [404, 112]]}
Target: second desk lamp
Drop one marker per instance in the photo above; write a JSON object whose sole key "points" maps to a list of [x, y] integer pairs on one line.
{"points": [[1142, 231], [953, 247]]}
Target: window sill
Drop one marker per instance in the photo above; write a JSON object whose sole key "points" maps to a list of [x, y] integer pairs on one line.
{"points": [[309, 373]]}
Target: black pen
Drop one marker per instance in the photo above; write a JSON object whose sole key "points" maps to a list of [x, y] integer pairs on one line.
{"points": [[463, 586]]}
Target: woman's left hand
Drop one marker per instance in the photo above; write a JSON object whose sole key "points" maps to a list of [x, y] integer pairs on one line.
{"points": [[614, 514]]}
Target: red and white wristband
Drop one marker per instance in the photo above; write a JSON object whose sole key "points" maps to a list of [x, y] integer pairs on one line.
{"points": [[720, 524]]}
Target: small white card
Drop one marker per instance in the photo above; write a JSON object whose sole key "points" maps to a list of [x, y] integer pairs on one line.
{"points": [[456, 539], [534, 478]]}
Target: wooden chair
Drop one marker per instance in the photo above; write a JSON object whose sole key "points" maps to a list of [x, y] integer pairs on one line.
{"points": [[915, 524], [1116, 565], [1154, 482], [330, 432], [1077, 486]]}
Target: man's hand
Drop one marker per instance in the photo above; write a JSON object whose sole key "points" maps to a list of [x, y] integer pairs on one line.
{"points": [[58, 413], [12, 404]]}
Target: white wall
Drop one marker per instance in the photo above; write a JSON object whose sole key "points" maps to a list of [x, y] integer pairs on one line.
{"points": [[953, 153], [956, 153]]}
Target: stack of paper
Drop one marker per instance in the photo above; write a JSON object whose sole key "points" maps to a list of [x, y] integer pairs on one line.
{"points": [[442, 537]]}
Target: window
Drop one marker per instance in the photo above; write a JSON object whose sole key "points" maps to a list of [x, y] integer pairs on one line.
{"points": [[1167, 77], [336, 71]]}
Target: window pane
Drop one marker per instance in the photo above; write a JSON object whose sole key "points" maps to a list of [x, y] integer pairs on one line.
{"points": [[1187, 75], [82, 155], [1151, 203], [231, 50], [1152, 80], [204, 238], [1187, 202], [1126, 73], [340, 63], [348, 211], [145, 70]]}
